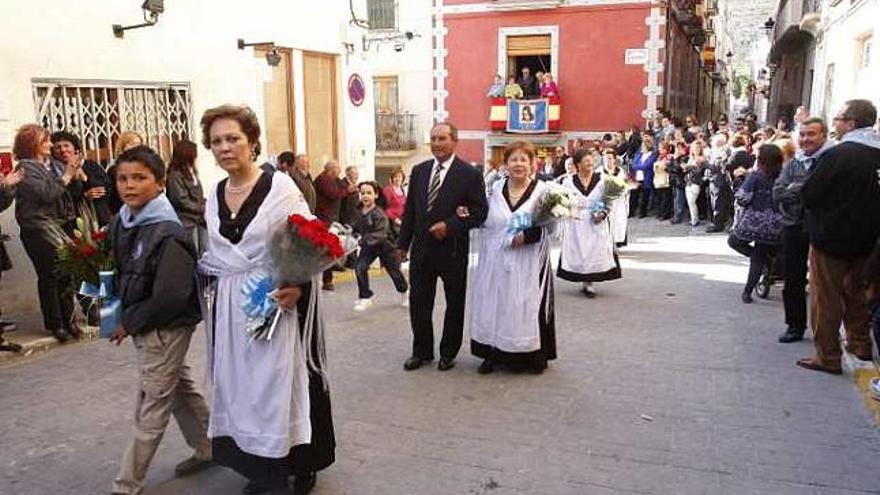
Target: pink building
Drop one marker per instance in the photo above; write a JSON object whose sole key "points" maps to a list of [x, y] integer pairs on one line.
{"points": [[607, 56]]}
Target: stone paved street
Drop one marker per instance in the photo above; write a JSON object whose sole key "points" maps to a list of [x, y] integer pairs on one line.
{"points": [[665, 384]]}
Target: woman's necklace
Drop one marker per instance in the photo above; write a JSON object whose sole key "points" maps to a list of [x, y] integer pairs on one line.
{"points": [[516, 192], [236, 196]]}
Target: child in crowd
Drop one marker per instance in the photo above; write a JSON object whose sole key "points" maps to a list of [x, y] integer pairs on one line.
{"points": [[372, 225], [156, 264]]}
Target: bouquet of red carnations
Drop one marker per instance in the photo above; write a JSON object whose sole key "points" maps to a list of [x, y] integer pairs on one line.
{"points": [[86, 253], [300, 250]]}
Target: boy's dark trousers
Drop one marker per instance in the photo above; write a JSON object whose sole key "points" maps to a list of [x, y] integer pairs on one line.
{"points": [[796, 248], [385, 253]]}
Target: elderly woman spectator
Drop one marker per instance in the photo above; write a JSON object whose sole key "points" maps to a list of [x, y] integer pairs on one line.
{"points": [[549, 87], [45, 213], [497, 89], [662, 184], [330, 191], [126, 141], [759, 226], [184, 191]]}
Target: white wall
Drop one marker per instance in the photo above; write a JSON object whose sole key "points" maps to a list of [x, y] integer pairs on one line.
{"points": [[843, 26], [194, 41], [412, 66]]}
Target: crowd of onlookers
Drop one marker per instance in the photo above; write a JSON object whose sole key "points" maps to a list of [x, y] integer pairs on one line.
{"points": [[526, 86]]}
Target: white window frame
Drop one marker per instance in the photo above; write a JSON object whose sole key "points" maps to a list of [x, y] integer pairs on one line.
{"points": [[503, 34]]}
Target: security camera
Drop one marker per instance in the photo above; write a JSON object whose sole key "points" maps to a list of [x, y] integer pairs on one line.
{"points": [[398, 46], [273, 58], [409, 35], [154, 6]]}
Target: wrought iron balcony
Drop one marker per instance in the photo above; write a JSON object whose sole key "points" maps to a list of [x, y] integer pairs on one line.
{"points": [[396, 132]]}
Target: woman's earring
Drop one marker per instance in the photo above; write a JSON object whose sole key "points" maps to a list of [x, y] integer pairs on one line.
{"points": [[254, 155]]}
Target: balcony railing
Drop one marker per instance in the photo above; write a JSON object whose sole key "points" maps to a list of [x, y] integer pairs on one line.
{"points": [[396, 132]]}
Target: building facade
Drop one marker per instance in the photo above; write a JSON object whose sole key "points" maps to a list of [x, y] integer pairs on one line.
{"points": [[616, 63], [315, 98], [822, 56]]}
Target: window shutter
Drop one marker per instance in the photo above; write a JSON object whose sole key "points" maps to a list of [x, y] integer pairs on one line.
{"points": [[528, 45]]}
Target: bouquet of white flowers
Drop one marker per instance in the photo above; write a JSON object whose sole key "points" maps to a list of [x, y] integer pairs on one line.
{"points": [[557, 203]]}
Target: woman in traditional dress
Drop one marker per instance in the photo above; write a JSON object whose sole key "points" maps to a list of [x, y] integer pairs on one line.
{"points": [[270, 417], [587, 254], [619, 209], [513, 324]]}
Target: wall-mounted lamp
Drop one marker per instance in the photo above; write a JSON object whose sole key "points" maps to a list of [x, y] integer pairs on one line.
{"points": [[273, 58], [152, 9]]}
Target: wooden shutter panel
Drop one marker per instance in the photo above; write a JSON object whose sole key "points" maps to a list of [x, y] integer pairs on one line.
{"points": [[528, 45]]}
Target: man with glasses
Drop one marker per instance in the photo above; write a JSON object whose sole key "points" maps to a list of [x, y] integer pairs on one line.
{"points": [[842, 202]]}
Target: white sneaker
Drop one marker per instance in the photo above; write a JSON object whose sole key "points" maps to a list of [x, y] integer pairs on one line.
{"points": [[363, 304], [404, 299]]}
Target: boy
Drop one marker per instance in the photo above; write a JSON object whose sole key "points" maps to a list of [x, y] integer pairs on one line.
{"points": [[372, 225], [155, 281]]}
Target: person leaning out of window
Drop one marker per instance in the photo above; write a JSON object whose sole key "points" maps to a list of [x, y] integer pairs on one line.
{"points": [[184, 191], [43, 210]]}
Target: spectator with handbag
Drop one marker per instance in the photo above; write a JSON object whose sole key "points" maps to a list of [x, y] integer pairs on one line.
{"points": [[760, 224]]}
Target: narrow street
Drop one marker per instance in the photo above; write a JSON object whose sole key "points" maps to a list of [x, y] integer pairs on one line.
{"points": [[665, 384]]}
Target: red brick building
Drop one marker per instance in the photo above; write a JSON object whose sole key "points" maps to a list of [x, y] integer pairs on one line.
{"points": [[607, 56]]}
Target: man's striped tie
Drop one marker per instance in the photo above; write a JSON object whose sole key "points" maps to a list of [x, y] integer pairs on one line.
{"points": [[434, 187]]}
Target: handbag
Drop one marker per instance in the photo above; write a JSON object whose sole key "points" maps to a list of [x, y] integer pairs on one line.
{"points": [[762, 226]]}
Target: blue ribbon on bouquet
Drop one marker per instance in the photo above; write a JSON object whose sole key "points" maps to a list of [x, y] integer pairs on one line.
{"points": [[519, 222], [596, 207], [259, 306], [109, 306]]}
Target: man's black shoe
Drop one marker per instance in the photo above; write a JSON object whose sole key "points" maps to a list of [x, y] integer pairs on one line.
{"points": [[446, 364], [712, 229], [303, 483], [791, 335], [414, 363]]}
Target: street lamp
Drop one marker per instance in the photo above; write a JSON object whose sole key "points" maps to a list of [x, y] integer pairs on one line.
{"points": [[151, 8]]}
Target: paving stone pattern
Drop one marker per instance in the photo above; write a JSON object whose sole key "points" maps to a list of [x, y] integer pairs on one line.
{"points": [[665, 384]]}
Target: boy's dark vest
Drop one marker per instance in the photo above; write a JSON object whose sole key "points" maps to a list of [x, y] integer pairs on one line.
{"points": [[138, 252]]}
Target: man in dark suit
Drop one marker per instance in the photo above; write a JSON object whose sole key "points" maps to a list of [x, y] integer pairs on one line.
{"points": [[446, 199]]}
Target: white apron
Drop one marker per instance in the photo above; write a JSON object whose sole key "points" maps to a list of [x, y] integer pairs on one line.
{"points": [[261, 396], [618, 216], [587, 247], [506, 282]]}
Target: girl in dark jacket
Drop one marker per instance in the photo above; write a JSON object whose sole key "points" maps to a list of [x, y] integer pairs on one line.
{"points": [[756, 194]]}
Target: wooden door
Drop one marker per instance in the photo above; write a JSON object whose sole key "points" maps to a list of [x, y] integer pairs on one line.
{"points": [[319, 76]]}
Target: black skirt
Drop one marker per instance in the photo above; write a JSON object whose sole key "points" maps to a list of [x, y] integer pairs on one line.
{"points": [[547, 329], [611, 274]]}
